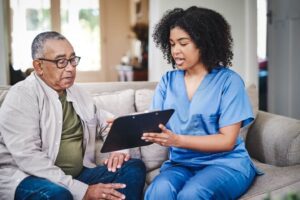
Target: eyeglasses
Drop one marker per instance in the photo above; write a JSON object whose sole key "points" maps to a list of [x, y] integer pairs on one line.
{"points": [[62, 63]]}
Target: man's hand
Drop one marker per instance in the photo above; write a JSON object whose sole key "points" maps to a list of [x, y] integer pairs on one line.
{"points": [[104, 191], [116, 160]]}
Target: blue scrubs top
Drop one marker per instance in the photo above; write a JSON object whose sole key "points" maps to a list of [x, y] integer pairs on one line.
{"points": [[220, 100]]}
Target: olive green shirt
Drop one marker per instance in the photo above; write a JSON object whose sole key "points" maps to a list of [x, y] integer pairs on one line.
{"points": [[70, 155]]}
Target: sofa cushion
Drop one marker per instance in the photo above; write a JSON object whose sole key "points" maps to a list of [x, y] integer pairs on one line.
{"points": [[151, 175], [274, 178], [118, 103], [253, 96], [275, 139], [153, 155], [143, 98]]}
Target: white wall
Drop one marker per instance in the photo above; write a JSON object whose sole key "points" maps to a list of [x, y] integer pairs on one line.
{"points": [[283, 56], [4, 69], [240, 14]]}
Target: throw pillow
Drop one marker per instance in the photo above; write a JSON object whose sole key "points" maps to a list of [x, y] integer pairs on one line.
{"points": [[253, 96], [118, 103], [143, 98], [153, 155]]}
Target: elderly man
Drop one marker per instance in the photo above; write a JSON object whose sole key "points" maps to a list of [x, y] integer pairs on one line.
{"points": [[47, 135]]}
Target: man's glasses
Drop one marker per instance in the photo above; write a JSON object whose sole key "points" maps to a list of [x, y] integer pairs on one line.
{"points": [[62, 63]]}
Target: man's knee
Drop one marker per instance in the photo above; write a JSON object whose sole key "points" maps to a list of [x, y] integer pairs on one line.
{"points": [[136, 167], [55, 193]]}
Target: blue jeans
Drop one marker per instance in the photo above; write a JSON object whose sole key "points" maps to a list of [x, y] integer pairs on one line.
{"points": [[132, 174], [211, 182]]}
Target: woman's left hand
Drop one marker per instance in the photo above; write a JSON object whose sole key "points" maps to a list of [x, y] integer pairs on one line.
{"points": [[116, 160], [165, 138]]}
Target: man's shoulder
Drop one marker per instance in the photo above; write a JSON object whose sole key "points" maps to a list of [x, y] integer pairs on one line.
{"points": [[27, 86]]}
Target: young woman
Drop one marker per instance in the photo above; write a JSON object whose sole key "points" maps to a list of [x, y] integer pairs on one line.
{"points": [[208, 159]]}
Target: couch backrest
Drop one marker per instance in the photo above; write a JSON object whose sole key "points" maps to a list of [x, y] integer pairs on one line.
{"points": [[119, 98], [104, 87]]}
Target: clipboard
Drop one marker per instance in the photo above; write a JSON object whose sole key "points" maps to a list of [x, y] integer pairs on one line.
{"points": [[126, 131]]}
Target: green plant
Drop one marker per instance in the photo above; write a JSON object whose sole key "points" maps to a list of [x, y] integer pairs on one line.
{"points": [[288, 196]]}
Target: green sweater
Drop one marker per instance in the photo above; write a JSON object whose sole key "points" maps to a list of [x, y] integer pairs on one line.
{"points": [[70, 155]]}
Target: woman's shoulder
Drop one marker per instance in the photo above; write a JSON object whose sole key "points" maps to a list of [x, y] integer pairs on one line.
{"points": [[228, 75], [172, 74]]}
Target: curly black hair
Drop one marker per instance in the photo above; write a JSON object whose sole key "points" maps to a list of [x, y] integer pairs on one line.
{"points": [[208, 30]]}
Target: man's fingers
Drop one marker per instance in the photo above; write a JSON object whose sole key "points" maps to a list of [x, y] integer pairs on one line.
{"points": [[121, 160], [112, 185], [110, 120], [108, 191], [115, 162], [127, 157], [116, 185], [109, 164], [105, 161]]}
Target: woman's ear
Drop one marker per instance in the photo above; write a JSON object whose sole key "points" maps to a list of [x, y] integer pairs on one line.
{"points": [[37, 65]]}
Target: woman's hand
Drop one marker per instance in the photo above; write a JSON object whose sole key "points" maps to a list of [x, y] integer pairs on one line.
{"points": [[165, 138], [104, 191], [116, 160]]}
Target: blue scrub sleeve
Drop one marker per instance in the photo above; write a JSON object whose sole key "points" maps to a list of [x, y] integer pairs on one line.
{"points": [[235, 104]]}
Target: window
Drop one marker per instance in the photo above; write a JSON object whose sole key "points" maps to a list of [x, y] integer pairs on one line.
{"points": [[262, 29], [80, 23], [28, 19]]}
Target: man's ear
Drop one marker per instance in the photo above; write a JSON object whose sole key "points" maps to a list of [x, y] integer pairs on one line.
{"points": [[37, 65]]}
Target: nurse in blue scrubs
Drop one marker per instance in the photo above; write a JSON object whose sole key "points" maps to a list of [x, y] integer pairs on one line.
{"points": [[207, 159]]}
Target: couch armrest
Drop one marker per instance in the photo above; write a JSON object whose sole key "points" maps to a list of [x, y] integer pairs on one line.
{"points": [[274, 139]]}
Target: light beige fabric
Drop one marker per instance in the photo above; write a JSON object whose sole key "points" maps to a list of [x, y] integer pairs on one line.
{"points": [[118, 103], [143, 98], [275, 178], [253, 96], [275, 140], [153, 155]]}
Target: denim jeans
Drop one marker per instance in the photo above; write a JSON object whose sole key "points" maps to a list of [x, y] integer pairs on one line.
{"points": [[211, 182], [132, 174]]}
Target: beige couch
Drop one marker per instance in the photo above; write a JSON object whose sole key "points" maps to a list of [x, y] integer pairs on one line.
{"points": [[273, 141]]}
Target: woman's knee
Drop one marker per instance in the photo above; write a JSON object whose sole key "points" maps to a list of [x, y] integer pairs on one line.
{"points": [[160, 188], [194, 193]]}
